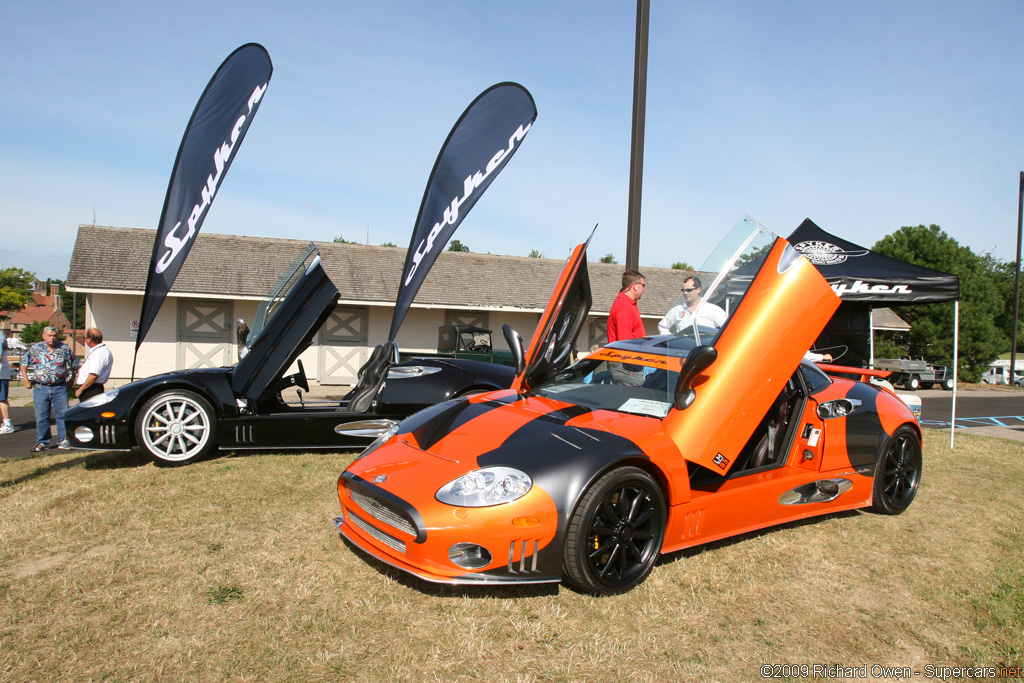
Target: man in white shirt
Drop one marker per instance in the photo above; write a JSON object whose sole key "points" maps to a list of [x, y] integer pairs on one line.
{"points": [[681, 316], [95, 371]]}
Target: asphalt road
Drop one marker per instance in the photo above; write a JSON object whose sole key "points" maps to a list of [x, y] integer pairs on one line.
{"points": [[19, 444], [991, 408], [996, 413]]}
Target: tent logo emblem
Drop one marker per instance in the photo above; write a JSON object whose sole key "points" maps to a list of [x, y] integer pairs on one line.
{"points": [[825, 253]]}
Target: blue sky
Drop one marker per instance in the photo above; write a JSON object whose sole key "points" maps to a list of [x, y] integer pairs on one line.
{"points": [[861, 116]]}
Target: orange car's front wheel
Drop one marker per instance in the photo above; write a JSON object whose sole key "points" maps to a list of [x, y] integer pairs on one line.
{"points": [[616, 533]]}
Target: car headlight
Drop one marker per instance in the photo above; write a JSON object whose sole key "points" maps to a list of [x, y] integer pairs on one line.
{"points": [[379, 441], [489, 486], [105, 397]]}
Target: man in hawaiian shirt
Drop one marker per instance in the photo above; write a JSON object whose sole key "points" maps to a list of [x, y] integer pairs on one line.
{"points": [[54, 365]]}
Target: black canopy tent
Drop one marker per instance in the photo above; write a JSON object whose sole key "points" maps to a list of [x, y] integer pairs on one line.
{"points": [[864, 279]]}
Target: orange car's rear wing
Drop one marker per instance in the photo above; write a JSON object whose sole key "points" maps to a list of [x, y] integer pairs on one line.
{"points": [[864, 374]]}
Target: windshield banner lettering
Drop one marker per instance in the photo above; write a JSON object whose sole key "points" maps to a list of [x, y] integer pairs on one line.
{"points": [[211, 140], [479, 145]]}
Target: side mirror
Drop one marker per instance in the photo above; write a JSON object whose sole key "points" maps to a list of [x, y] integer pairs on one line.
{"points": [[697, 361], [515, 344]]}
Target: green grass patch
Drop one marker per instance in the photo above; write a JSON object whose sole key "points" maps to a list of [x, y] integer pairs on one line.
{"points": [[230, 569]]}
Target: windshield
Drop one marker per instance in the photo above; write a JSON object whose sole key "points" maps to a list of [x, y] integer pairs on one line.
{"points": [[712, 293], [279, 291], [639, 376], [605, 384]]}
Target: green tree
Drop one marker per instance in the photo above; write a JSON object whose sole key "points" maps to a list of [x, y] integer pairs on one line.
{"points": [[682, 265], [536, 254], [33, 332], [15, 288], [608, 258], [1003, 276], [389, 244], [456, 245], [981, 301], [341, 240]]}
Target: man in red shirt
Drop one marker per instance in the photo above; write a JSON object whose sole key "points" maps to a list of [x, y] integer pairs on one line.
{"points": [[624, 318]]}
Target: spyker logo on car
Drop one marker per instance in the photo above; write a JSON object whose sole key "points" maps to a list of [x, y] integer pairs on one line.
{"points": [[380, 479]]}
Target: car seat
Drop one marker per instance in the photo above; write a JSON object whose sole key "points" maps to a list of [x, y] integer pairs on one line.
{"points": [[370, 378]]}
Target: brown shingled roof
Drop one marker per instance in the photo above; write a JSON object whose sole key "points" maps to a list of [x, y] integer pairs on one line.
{"points": [[116, 259]]}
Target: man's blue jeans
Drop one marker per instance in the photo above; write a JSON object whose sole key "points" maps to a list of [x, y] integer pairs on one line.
{"points": [[44, 398]]}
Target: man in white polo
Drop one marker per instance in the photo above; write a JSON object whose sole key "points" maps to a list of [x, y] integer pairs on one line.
{"points": [[95, 371], [682, 316]]}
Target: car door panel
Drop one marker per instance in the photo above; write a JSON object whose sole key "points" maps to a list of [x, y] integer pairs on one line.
{"points": [[786, 306]]}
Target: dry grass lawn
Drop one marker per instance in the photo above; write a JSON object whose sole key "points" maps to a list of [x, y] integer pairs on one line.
{"points": [[112, 569]]}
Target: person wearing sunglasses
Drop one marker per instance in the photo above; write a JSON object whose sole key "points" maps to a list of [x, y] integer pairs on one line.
{"points": [[691, 310]]}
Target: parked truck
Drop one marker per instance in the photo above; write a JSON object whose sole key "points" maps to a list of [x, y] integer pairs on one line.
{"points": [[916, 373]]}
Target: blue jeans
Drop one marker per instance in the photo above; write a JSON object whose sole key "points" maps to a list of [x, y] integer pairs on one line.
{"points": [[44, 398]]}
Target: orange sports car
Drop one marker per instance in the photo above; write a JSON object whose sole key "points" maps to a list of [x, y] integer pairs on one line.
{"points": [[586, 472]]}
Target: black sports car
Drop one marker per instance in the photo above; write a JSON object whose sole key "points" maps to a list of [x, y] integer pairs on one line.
{"points": [[178, 417]]}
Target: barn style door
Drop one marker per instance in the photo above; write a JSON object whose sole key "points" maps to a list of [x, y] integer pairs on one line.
{"points": [[343, 345], [204, 335]]}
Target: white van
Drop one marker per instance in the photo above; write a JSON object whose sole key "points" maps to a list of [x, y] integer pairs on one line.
{"points": [[1000, 374]]}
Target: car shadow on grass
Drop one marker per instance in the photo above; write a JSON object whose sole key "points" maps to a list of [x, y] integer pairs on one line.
{"points": [[548, 589], [90, 460]]}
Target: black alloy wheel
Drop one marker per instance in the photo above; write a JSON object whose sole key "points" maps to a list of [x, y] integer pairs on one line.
{"points": [[616, 532], [898, 473]]}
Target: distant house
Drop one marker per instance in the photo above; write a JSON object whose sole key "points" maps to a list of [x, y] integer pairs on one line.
{"points": [[42, 308], [226, 276]]}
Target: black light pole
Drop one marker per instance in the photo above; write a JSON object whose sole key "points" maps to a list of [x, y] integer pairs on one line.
{"points": [[636, 160], [1016, 283]]}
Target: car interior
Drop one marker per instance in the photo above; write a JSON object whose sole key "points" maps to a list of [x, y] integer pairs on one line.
{"points": [[769, 444]]}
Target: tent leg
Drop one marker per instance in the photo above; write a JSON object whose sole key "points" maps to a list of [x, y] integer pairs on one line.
{"points": [[956, 343]]}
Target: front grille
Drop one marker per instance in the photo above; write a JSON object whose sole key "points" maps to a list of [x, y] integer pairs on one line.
{"points": [[526, 560], [383, 512], [384, 538]]}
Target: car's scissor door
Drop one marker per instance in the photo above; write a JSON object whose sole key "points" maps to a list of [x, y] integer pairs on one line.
{"points": [[774, 322], [550, 348], [293, 319]]}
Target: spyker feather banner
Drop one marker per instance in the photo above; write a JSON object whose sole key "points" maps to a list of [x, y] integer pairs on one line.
{"points": [[211, 140], [479, 145]]}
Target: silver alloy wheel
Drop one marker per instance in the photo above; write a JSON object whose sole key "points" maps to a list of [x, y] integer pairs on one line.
{"points": [[175, 427]]}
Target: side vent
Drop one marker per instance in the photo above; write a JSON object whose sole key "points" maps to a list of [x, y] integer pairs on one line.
{"points": [[821, 491], [107, 435], [691, 523], [243, 434], [526, 560]]}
